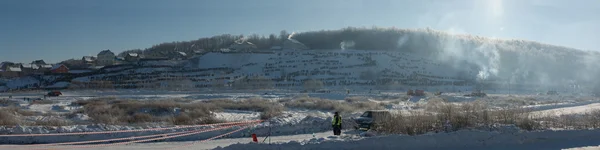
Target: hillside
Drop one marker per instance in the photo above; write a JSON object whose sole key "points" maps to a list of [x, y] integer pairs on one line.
{"points": [[350, 58]]}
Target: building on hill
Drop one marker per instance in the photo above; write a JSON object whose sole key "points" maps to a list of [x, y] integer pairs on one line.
{"points": [[179, 56], [89, 60], [6, 64], [39, 62], [15, 68], [105, 58], [294, 45], [243, 46], [132, 57], [11, 71], [44, 68], [59, 68], [199, 52], [29, 68]]}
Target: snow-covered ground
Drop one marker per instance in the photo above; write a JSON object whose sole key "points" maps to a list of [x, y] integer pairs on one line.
{"points": [[297, 124], [508, 138], [464, 139]]}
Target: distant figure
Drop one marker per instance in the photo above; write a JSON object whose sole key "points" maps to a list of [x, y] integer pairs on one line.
{"points": [[336, 123]]}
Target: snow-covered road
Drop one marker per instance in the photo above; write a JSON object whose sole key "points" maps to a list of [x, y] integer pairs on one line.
{"points": [[200, 145], [465, 139]]}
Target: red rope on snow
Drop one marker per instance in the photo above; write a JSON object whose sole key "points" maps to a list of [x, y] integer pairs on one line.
{"points": [[147, 140], [124, 131], [219, 136], [107, 140]]}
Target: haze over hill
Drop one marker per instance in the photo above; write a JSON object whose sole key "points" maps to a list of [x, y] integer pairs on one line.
{"points": [[472, 59], [498, 59]]}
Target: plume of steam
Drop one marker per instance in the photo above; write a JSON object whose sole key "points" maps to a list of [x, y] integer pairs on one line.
{"points": [[347, 44], [402, 40], [291, 35]]}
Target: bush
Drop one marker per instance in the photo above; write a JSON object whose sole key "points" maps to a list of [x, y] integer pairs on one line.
{"points": [[112, 111], [140, 118], [440, 114], [7, 118]]}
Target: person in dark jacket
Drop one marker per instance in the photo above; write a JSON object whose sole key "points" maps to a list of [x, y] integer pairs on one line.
{"points": [[336, 123]]}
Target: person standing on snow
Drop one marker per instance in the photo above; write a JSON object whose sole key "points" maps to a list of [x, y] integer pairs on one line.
{"points": [[336, 123]]}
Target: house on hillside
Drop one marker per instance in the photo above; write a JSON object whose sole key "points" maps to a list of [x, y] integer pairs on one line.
{"points": [[179, 56], [243, 46], [15, 68], [89, 60], [44, 68], [29, 68], [59, 68], [119, 60], [6, 64], [11, 71], [199, 52], [39, 62], [294, 45], [132, 57], [105, 58]]}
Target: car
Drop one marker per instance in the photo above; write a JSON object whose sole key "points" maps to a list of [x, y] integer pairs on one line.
{"points": [[54, 93], [371, 118]]}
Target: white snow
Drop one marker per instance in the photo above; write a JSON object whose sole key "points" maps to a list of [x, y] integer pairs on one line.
{"points": [[568, 110], [464, 139]]}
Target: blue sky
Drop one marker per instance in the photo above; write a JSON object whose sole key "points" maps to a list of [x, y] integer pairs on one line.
{"points": [[62, 29]]}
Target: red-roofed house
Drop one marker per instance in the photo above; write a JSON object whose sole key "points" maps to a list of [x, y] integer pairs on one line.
{"points": [[59, 68]]}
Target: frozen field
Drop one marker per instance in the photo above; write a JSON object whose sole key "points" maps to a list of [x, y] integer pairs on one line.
{"points": [[294, 128]]}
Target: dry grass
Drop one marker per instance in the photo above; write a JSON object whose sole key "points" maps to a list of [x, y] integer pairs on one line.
{"points": [[112, 111], [441, 116], [7, 118], [349, 105]]}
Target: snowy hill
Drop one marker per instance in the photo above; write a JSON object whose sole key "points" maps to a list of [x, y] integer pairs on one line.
{"points": [[387, 59], [332, 69]]}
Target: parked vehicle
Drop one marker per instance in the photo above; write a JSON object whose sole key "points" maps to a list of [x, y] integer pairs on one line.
{"points": [[371, 118], [415, 93], [54, 93]]}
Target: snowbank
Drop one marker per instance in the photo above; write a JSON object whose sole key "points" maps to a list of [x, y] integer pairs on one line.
{"points": [[465, 139]]}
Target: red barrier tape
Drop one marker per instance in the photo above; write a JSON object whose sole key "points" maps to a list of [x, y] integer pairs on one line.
{"points": [[124, 131], [107, 140], [216, 137], [148, 140]]}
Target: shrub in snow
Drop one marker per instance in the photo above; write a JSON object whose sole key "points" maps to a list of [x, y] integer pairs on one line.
{"points": [[444, 116], [7, 118]]}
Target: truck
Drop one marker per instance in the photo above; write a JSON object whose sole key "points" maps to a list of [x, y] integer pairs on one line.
{"points": [[371, 118], [54, 93]]}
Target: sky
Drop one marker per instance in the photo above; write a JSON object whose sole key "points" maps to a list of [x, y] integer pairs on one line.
{"points": [[63, 29]]}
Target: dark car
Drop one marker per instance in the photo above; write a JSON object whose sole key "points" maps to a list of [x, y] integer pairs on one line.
{"points": [[54, 93], [371, 118]]}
